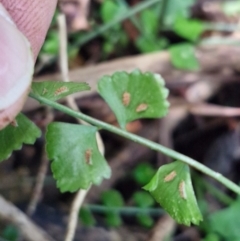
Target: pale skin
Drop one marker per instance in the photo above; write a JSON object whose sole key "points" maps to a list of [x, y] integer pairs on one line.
{"points": [[32, 18]]}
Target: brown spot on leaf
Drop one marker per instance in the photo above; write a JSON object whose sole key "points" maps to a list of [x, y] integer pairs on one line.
{"points": [[126, 98], [88, 155], [170, 176], [142, 107], [182, 190], [61, 90]]}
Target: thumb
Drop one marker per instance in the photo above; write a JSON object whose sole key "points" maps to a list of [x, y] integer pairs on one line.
{"points": [[17, 60]]}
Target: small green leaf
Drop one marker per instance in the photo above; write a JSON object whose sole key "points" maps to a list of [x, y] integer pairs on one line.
{"points": [[150, 44], [86, 217], [51, 44], [143, 173], [112, 198], [134, 95], [190, 29], [225, 222], [55, 90], [212, 237], [183, 57], [113, 219], [109, 10], [20, 131], [143, 199], [149, 22], [10, 233], [145, 220], [175, 9], [76, 160], [172, 188]]}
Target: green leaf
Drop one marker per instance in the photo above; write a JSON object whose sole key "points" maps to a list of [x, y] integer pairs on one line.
{"points": [[109, 10], [150, 44], [134, 95], [143, 199], [149, 22], [86, 217], [51, 44], [190, 29], [172, 188], [183, 57], [55, 90], [112, 198], [145, 220], [76, 160], [177, 9], [212, 237], [10, 233], [226, 222], [20, 131], [113, 219], [143, 173]]}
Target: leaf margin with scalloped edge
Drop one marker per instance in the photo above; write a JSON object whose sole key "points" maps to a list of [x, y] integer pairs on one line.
{"points": [[28, 136], [55, 133], [134, 95], [172, 188]]}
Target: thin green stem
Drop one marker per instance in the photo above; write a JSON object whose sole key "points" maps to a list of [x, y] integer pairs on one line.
{"points": [[204, 186], [131, 12], [133, 19], [126, 210], [152, 145]]}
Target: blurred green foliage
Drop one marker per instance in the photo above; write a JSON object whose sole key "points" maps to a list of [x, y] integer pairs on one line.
{"points": [[86, 217], [183, 56], [143, 173], [176, 18], [150, 25], [112, 198], [10, 233], [144, 200]]}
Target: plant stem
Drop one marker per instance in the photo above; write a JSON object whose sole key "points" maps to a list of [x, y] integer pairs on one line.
{"points": [[73, 217], [152, 145], [125, 210], [204, 185], [134, 10]]}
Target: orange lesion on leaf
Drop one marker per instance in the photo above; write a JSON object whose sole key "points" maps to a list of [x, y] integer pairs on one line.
{"points": [[142, 107], [182, 190], [61, 90], [88, 155], [170, 176], [126, 98]]}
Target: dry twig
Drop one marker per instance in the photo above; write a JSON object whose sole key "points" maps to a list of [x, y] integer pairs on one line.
{"points": [[41, 173], [81, 194], [76, 12], [29, 230], [163, 229]]}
